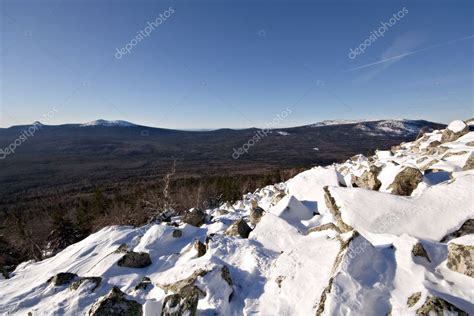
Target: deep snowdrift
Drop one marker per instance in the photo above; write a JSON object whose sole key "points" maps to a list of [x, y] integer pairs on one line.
{"points": [[391, 233]]}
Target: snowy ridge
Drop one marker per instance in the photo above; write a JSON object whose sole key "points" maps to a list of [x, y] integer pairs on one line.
{"points": [[337, 122], [391, 233], [108, 123]]}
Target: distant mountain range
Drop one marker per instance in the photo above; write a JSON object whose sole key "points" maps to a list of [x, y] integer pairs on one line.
{"points": [[370, 126]]}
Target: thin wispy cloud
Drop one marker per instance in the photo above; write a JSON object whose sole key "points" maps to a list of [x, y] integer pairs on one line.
{"points": [[391, 60]]}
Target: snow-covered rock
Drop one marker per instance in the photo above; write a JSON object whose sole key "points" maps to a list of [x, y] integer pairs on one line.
{"points": [[363, 237]]}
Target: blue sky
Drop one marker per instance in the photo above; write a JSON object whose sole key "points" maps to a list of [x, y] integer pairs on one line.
{"points": [[234, 64]]}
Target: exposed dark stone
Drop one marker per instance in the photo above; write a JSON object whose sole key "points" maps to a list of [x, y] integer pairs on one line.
{"points": [[466, 229], [368, 180], [449, 135], [95, 280], [123, 248], [180, 304], [115, 304], [413, 299], [194, 217], [239, 228], [144, 283], [326, 226], [419, 251], [331, 204], [255, 215], [461, 259], [62, 278], [406, 181], [437, 306], [177, 233], [135, 260], [200, 248]]}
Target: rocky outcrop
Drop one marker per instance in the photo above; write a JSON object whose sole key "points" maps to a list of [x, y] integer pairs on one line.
{"points": [[200, 248], [239, 228], [115, 304], [413, 299], [368, 180], [454, 130], [437, 306], [194, 217], [469, 164], [466, 229], [177, 233], [255, 215], [331, 205], [144, 284], [326, 226], [84, 280], [461, 258], [135, 260], [419, 251], [406, 181], [62, 278], [180, 304]]}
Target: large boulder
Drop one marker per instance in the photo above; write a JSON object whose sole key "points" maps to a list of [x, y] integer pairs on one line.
{"points": [[406, 181], [239, 228], [461, 255], [454, 130], [62, 278], [135, 260], [194, 217], [115, 304]]}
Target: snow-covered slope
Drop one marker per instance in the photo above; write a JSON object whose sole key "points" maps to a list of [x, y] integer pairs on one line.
{"points": [[108, 123], [388, 234]]}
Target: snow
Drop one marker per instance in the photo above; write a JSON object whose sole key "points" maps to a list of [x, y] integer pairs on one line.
{"points": [[457, 126], [108, 123], [283, 133], [283, 268]]}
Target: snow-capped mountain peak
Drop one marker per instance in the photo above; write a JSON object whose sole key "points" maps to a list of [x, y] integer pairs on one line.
{"points": [[108, 123]]}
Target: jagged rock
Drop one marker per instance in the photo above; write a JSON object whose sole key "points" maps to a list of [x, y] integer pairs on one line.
{"points": [[94, 280], [466, 229], [255, 215], [368, 180], [239, 228], [434, 143], [62, 278], [331, 205], [437, 306], [326, 226], [419, 251], [471, 143], [177, 287], [115, 304], [177, 233], [406, 181], [180, 304], [144, 283], [225, 274], [454, 154], [461, 258], [194, 217], [277, 198], [123, 248], [135, 260], [413, 299], [454, 130], [200, 248], [469, 163]]}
